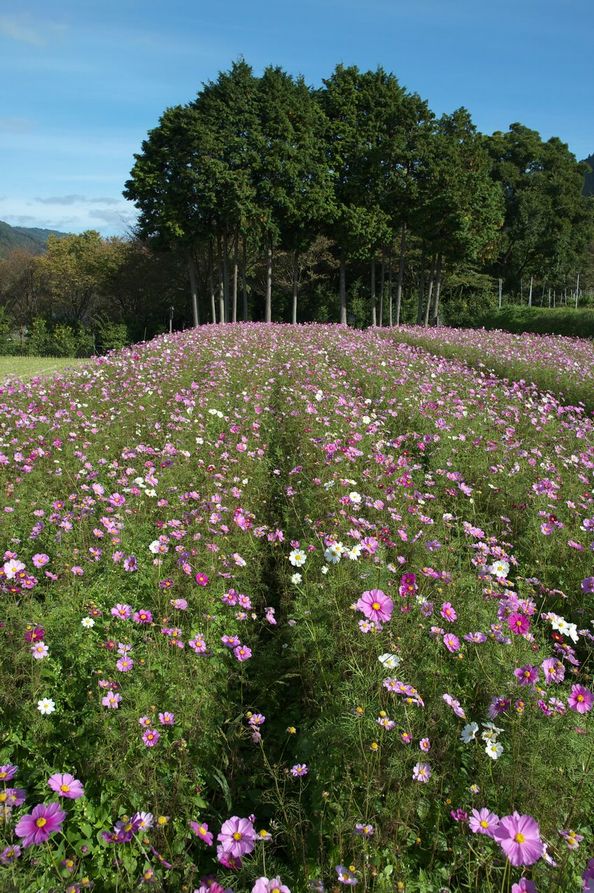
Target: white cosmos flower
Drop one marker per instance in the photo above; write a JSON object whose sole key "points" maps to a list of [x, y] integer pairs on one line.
{"points": [[87, 622], [46, 706], [297, 557], [355, 497], [493, 749], [468, 733], [355, 553], [499, 568], [296, 579], [333, 553], [389, 661], [325, 569]]}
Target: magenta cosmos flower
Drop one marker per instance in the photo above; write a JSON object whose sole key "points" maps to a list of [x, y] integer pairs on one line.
{"points": [[43, 821], [274, 885], [519, 838], [237, 837], [66, 785], [518, 623], [150, 737], [580, 699], [201, 831], [376, 605], [524, 886]]}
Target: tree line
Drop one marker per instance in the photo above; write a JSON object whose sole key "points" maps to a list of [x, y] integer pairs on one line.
{"points": [[264, 198]]}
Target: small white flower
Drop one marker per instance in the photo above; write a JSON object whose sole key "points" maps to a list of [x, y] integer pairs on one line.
{"points": [[333, 553], [325, 569], [297, 557], [87, 622], [493, 749], [389, 661], [12, 567], [366, 420], [355, 497], [355, 553], [468, 733], [499, 568], [319, 396], [296, 579], [46, 706]]}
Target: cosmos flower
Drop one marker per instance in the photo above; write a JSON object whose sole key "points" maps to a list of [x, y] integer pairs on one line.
{"points": [[483, 821], [66, 785], [43, 821], [519, 838], [376, 605], [237, 837]]}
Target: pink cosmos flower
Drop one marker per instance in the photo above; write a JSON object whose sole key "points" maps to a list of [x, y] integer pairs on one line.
{"points": [[553, 669], [299, 770], [167, 719], [448, 612], [526, 675], [111, 700], [451, 642], [483, 821], [197, 644], [524, 886], [122, 612], [201, 831], [274, 885], [519, 838], [142, 616], [242, 652], [422, 772], [43, 821], [66, 785], [8, 771], [150, 737], [201, 579], [237, 837], [518, 623], [376, 605], [580, 699]]}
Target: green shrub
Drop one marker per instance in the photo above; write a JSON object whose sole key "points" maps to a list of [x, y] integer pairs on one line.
{"points": [[39, 339]]}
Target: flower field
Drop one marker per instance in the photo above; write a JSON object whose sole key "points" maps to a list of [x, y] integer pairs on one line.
{"points": [[552, 362], [295, 608]]}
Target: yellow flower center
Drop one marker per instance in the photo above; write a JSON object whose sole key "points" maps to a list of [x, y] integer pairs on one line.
{"points": [[64, 788], [580, 698], [237, 836], [484, 824], [376, 606], [519, 838], [40, 822], [3, 796]]}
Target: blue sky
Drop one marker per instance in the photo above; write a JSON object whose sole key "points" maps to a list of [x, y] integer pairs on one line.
{"points": [[81, 81]]}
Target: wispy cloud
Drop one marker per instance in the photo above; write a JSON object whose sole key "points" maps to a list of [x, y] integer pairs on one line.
{"points": [[20, 28], [78, 200]]}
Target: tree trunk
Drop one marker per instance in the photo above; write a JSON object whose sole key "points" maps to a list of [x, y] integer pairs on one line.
{"points": [[221, 284], [243, 281], [382, 287], [268, 312], [211, 286], [400, 273], [343, 307], [577, 290], [430, 295], [295, 286], [421, 298], [373, 298], [193, 287], [549, 297], [390, 293], [530, 292], [437, 289], [226, 275], [235, 277], [500, 293]]}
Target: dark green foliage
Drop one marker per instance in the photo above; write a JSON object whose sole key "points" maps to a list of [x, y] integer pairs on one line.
{"points": [[558, 321]]}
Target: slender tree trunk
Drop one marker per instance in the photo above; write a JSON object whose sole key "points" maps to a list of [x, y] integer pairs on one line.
{"points": [[549, 297], [373, 298], [381, 297], [193, 287], [211, 286], [577, 290], [430, 295], [243, 281], [421, 298], [400, 273], [295, 286], [226, 274], [390, 294], [437, 288], [530, 292], [500, 293], [235, 278], [221, 283], [268, 317], [343, 307]]}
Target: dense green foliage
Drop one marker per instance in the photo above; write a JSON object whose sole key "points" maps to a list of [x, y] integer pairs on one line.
{"points": [[560, 321]]}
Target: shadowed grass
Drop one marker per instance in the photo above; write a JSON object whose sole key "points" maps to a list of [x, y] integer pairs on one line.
{"points": [[28, 367]]}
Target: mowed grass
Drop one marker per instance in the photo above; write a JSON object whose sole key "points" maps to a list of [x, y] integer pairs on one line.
{"points": [[29, 367]]}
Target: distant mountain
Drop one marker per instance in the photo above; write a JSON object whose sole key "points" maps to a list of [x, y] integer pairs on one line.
{"points": [[31, 239], [589, 183]]}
